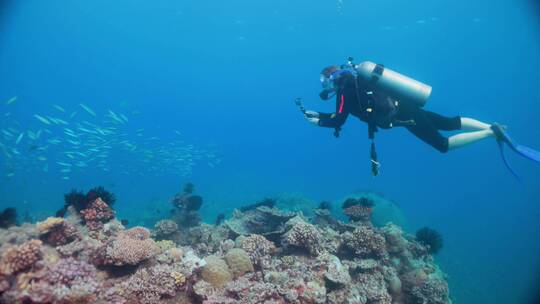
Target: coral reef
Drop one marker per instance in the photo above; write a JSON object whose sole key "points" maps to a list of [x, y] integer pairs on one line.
{"points": [[57, 231], [304, 235], [96, 214], [257, 247], [358, 209], [261, 255], [365, 242], [267, 202], [269, 222], [165, 228]]}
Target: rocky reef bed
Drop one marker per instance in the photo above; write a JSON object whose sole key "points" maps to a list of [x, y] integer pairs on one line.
{"points": [[260, 255]]}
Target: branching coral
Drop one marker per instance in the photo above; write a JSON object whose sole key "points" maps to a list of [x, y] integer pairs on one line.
{"points": [[149, 285], [433, 291], [8, 218], [130, 247], [365, 242], [304, 235], [430, 238], [257, 247]]}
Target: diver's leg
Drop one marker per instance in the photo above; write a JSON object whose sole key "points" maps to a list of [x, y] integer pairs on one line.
{"points": [[455, 123], [467, 138], [471, 124]]}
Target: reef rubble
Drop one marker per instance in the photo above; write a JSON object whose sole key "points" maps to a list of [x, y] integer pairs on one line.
{"points": [[260, 255]]}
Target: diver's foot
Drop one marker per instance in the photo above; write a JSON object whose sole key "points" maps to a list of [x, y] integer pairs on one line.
{"points": [[498, 131]]}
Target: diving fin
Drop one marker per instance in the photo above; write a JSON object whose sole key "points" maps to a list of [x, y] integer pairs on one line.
{"points": [[505, 161], [503, 138]]}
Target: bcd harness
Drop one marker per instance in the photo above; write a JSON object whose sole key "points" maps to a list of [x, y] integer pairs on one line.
{"points": [[373, 121]]}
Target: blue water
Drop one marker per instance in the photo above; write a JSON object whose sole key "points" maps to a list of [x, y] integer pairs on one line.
{"points": [[225, 74]]}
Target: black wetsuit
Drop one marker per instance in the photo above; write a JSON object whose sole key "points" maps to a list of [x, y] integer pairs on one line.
{"points": [[353, 99]]}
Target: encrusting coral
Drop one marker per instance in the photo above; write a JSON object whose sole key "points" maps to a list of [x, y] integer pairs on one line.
{"points": [[261, 255], [21, 257]]}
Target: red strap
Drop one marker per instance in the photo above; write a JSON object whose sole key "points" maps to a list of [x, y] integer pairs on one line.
{"points": [[341, 104]]}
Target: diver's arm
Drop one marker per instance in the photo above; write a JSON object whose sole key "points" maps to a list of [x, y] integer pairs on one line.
{"points": [[333, 120]]}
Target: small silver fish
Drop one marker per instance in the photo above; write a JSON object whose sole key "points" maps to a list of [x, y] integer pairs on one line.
{"points": [[42, 119], [87, 109], [59, 108], [11, 100], [19, 138]]}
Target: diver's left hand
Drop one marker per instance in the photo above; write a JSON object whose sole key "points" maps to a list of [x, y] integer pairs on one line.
{"points": [[312, 117]]}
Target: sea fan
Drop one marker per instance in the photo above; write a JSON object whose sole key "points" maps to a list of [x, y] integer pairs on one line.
{"points": [[8, 218], [430, 238], [219, 219], [189, 188], [194, 202], [106, 196], [268, 202], [74, 198], [325, 205]]}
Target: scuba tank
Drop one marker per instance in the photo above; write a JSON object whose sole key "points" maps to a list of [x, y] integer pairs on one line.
{"points": [[393, 84]]}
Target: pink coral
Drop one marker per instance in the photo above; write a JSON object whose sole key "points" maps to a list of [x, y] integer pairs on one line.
{"points": [[21, 257], [130, 247], [97, 213], [66, 271], [4, 284]]}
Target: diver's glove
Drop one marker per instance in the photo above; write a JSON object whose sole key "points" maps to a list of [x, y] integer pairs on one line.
{"points": [[312, 117]]}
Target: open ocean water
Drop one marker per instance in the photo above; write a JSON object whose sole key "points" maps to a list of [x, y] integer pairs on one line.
{"points": [[143, 96]]}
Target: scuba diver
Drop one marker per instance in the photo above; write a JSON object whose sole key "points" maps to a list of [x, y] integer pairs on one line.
{"points": [[385, 99]]}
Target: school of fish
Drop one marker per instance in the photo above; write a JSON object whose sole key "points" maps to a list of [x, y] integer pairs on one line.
{"points": [[74, 141]]}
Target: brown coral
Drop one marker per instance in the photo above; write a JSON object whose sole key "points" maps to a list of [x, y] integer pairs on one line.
{"points": [[216, 271], [239, 262], [21, 257], [57, 231]]}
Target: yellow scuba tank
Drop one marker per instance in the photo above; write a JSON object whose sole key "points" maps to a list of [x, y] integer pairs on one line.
{"points": [[393, 84]]}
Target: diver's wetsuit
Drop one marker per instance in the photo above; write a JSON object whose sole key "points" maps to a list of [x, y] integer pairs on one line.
{"points": [[426, 126]]}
